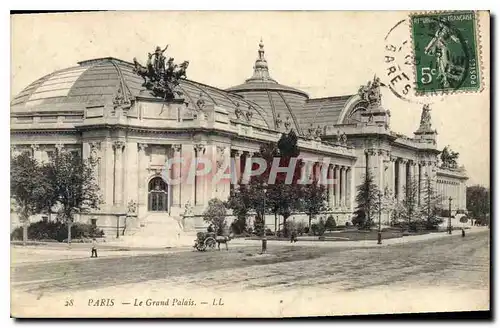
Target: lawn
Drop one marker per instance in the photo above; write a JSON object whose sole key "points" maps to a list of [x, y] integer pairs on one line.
{"points": [[347, 235]]}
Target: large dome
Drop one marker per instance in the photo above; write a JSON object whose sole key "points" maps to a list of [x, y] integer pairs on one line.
{"points": [[279, 101], [95, 82]]}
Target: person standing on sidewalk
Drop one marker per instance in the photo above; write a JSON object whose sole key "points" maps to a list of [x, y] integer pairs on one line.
{"points": [[94, 248]]}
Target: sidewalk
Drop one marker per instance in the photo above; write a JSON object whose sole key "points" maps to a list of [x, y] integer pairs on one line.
{"points": [[362, 243], [30, 254]]}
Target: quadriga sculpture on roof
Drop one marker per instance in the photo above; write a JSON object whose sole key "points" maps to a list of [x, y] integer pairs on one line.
{"points": [[161, 77]]}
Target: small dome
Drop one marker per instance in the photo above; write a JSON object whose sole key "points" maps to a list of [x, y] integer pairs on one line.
{"points": [[279, 101]]}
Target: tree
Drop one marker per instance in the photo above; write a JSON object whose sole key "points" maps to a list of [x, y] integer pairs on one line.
{"points": [[367, 199], [478, 202], [411, 208], [330, 223], [388, 202], [285, 198], [72, 185], [430, 203], [240, 202], [29, 189], [279, 198], [314, 199], [215, 214]]}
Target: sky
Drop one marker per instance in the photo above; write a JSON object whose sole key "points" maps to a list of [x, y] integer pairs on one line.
{"points": [[322, 53]]}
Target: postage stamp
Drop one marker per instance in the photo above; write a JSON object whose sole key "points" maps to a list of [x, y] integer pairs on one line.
{"points": [[446, 56]]}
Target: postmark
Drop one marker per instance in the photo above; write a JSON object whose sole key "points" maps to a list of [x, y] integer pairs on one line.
{"points": [[445, 52], [398, 64]]}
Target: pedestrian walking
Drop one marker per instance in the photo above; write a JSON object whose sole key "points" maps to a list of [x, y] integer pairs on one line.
{"points": [[463, 232], [94, 248]]}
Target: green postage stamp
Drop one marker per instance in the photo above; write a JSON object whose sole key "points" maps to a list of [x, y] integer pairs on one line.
{"points": [[446, 52]]}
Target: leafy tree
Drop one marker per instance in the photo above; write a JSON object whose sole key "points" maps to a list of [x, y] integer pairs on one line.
{"points": [[240, 202], [215, 214], [314, 199], [258, 225], [430, 203], [278, 198], [30, 189], [411, 208], [478, 202], [239, 225], [398, 217], [319, 228], [72, 185], [367, 199], [388, 201], [300, 226], [330, 223], [284, 198]]}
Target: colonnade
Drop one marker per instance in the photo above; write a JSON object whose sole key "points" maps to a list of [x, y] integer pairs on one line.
{"points": [[339, 188], [454, 189]]}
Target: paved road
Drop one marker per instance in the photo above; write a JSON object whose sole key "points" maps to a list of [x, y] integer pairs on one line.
{"points": [[454, 262]]}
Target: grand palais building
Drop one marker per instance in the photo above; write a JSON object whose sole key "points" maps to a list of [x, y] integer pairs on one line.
{"points": [[130, 121]]}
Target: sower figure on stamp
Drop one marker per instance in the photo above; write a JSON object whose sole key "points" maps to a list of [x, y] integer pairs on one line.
{"points": [[94, 248]]}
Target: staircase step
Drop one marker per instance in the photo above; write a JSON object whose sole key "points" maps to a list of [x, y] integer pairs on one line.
{"points": [[158, 230]]}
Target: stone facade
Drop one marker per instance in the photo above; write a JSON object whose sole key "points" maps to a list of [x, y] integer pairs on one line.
{"points": [[131, 134]]}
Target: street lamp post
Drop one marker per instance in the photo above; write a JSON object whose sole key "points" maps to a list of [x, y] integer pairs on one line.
{"points": [[449, 215], [379, 235]]}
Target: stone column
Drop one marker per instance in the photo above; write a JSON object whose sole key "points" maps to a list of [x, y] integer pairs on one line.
{"points": [[401, 179], [107, 174], [237, 164], [380, 169], [337, 185], [410, 173], [177, 175], [95, 160], [141, 173], [317, 174], [118, 146], [130, 163], [222, 186], [421, 182], [392, 175], [342, 186], [387, 174], [248, 168], [199, 182], [348, 188], [331, 199], [187, 190]]}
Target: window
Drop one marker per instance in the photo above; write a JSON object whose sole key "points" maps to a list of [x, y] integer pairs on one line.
{"points": [[93, 222], [157, 195]]}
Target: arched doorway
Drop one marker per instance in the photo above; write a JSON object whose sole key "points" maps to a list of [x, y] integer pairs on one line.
{"points": [[157, 195]]}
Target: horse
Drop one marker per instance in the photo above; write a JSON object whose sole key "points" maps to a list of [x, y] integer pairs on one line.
{"points": [[223, 240], [181, 72], [141, 70]]}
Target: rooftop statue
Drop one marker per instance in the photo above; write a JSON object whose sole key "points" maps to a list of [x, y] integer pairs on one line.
{"points": [[449, 158], [161, 77], [425, 118], [371, 93]]}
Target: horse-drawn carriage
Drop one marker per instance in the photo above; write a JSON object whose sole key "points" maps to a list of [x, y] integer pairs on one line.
{"points": [[208, 240], [205, 240]]}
